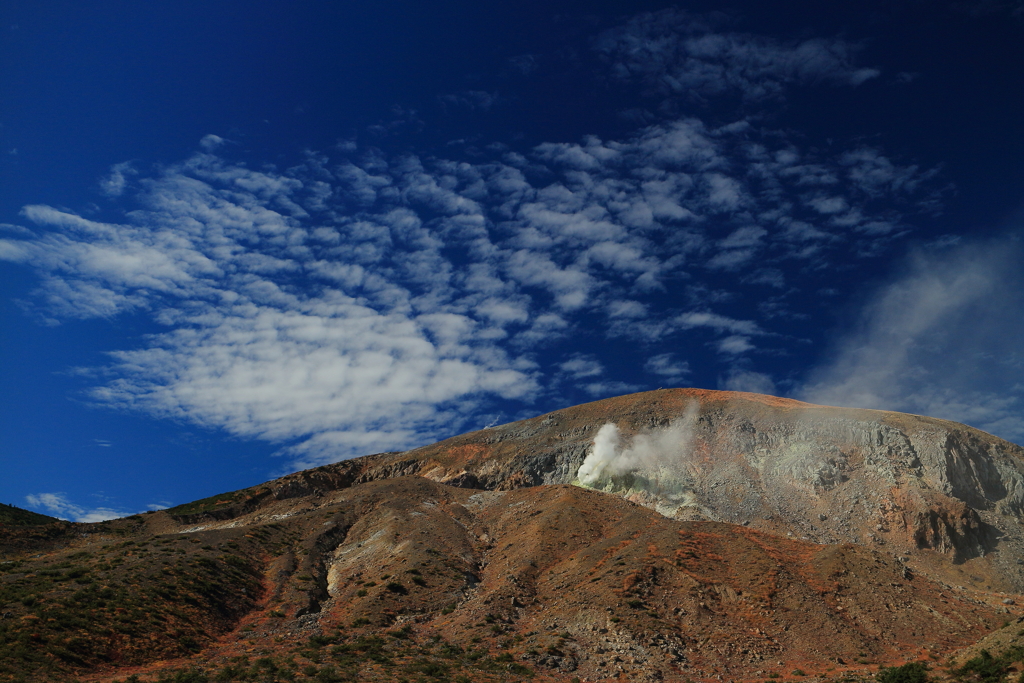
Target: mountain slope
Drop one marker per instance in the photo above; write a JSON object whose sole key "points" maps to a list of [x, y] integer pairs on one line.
{"points": [[721, 534], [947, 497], [15, 516], [561, 580]]}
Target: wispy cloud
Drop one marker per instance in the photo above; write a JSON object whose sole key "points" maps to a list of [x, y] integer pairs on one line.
{"points": [[475, 100], [668, 366], [362, 301], [610, 388], [739, 379], [315, 304], [580, 366], [117, 180], [58, 505], [718, 322], [943, 339], [675, 52]]}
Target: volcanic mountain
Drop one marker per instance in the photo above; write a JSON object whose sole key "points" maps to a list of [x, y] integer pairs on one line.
{"points": [[670, 535]]}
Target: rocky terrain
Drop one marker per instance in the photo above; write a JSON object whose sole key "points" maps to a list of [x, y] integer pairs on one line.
{"points": [[947, 497], [671, 535]]}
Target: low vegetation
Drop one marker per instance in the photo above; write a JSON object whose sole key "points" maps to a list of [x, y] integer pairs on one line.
{"points": [[223, 501], [986, 668], [14, 516], [912, 672], [121, 603], [348, 658]]}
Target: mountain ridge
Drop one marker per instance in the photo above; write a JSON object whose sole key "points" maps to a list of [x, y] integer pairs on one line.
{"points": [[11, 515], [965, 499], [724, 534]]}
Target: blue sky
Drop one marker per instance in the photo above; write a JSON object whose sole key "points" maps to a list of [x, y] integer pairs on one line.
{"points": [[244, 238]]}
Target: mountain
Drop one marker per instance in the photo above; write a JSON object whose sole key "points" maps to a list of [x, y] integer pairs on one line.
{"points": [[947, 497], [669, 535], [15, 516]]}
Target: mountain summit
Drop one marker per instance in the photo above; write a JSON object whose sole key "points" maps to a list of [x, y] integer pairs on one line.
{"points": [[668, 535]]}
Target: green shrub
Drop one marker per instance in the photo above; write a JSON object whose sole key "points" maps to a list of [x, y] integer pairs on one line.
{"points": [[518, 670], [320, 641], [432, 669], [401, 633], [911, 672], [329, 674], [185, 676], [988, 669]]}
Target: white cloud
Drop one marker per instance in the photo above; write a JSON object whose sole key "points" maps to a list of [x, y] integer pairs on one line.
{"points": [[731, 259], [117, 180], [211, 142], [772, 277], [747, 236], [340, 307], [626, 309], [735, 344], [16, 230], [281, 373], [674, 52], [748, 380], [717, 322], [580, 366], [667, 365], [943, 339], [58, 505], [612, 388], [827, 205], [214, 253]]}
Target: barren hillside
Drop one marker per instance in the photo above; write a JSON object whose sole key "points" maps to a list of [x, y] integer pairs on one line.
{"points": [[718, 536]]}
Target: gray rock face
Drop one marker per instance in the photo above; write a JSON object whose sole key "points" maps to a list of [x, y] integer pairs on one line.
{"points": [[946, 499], [912, 485]]}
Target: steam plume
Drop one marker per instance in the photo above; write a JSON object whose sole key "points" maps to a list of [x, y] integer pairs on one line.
{"points": [[648, 450]]}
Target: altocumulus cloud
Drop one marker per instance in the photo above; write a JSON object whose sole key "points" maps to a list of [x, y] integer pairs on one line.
{"points": [[674, 52], [366, 302]]}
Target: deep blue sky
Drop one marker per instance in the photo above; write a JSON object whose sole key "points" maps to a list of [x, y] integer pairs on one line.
{"points": [[241, 238]]}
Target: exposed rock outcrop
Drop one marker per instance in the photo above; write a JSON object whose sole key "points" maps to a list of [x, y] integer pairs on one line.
{"points": [[711, 535], [913, 485], [941, 494]]}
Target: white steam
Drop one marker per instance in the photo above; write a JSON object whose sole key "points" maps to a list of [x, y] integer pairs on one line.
{"points": [[648, 450]]}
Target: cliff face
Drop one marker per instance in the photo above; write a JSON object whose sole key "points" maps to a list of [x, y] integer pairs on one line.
{"points": [[939, 494]]}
